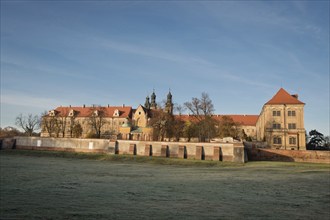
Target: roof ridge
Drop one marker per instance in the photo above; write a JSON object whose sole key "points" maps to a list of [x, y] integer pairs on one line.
{"points": [[283, 97]]}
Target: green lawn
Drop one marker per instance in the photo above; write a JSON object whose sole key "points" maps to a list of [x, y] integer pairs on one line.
{"points": [[62, 185]]}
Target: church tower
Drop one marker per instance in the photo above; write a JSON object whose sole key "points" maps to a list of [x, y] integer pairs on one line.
{"points": [[153, 104], [147, 103], [169, 104]]}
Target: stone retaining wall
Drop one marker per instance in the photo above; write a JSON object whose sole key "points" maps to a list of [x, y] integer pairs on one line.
{"points": [[7, 143], [233, 152], [258, 154], [200, 151]]}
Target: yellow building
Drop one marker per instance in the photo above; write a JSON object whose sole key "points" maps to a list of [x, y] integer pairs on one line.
{"points": [[64, 121], [281, 122]]}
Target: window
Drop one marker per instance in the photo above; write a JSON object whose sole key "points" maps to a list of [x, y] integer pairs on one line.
{"points": [[277, 140], [51, 113], [292, 113], [292, 126], [71, 113], [292, 140], [116, 113], [276, 113], [276, 126]]}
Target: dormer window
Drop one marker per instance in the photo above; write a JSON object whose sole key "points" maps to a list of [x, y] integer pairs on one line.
{"points": [[71, 113], [51, 113], [116, 113], [96, 113]]}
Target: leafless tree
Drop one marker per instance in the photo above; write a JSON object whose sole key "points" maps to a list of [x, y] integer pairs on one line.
{"points": [[97, 119], [76, 130], [74, 127], [29, 123], [48, 123], [61, 122], [179, 108], [202, 110], [160, 122]]}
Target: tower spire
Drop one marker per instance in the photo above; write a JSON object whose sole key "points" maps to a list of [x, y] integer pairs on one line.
{"points": [[153, 104], [169, 103], [147, 103]]}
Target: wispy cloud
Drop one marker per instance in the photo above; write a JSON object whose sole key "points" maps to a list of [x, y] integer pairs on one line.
{"points": [[33, 66], [29, 100], [265, 14], [209, 69], [153, 52]]}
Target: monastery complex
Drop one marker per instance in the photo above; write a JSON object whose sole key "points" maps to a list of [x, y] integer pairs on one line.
{"points": [[280, 123]]}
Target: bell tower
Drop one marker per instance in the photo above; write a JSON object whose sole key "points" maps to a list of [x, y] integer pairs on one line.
{"points": [[169, 104], [147, 103], [153, 104]]}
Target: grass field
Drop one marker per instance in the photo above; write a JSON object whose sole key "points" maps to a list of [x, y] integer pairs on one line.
{"points": [[57, 185]]}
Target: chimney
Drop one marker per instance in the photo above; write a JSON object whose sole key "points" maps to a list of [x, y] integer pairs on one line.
{"points": [[295, 96], [108, 105], [84, 106], [123, 105], [70, 106]]}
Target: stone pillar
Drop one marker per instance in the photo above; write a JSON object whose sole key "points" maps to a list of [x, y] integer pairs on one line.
{"points": [[199, 152], [132, 149], [164, 151], [181, 151], [216, 153], [148, 150]]}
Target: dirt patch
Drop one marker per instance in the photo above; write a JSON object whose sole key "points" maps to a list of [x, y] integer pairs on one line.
{"points": [[66, 188]]}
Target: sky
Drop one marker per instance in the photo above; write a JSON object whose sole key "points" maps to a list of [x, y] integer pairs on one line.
{"points": [[61, 53]]}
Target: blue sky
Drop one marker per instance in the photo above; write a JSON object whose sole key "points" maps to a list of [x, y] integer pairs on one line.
{"points": [[116, 52]]}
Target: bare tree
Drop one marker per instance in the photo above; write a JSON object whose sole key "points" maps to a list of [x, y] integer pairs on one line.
{"points": [[179, 108], [160, 122], [74, 127], [202, 110], [61, 122], [76, 130], [97, 119], [28, 123], [48, 123]]}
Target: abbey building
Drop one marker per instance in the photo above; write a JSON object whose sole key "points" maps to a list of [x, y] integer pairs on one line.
{"points": [[280, 123]]}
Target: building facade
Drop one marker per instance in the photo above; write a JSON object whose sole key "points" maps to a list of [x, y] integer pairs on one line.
{"points": [[85, 121], [281, 122]]}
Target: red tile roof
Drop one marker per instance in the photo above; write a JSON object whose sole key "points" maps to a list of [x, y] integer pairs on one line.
{"points": [[247, 120], [283, 97], [124, 112]]}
